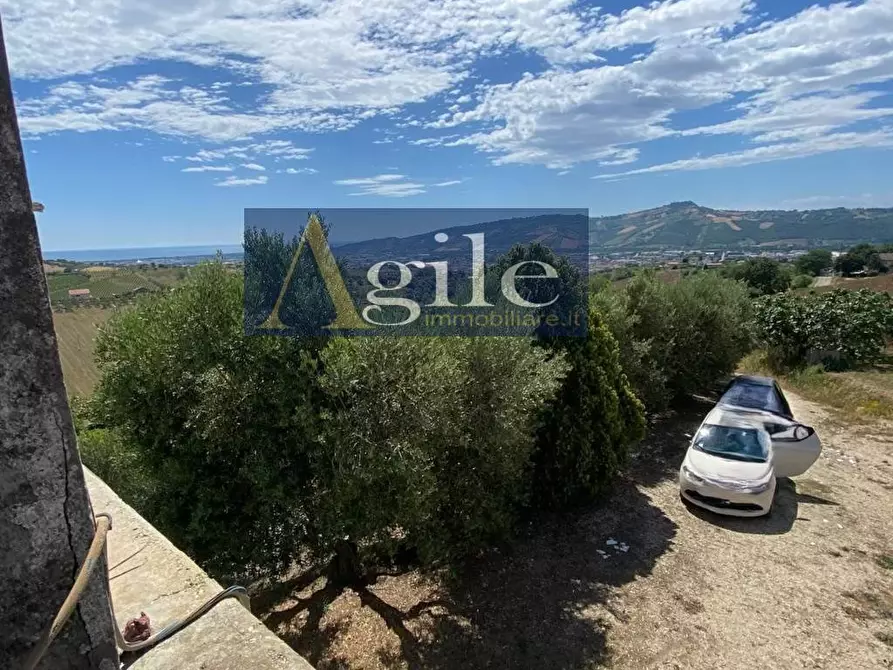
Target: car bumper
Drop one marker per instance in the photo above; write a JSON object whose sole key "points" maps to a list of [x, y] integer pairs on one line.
{"points": [[724, 501]]}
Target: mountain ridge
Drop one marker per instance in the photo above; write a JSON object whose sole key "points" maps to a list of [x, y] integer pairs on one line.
{"points": [[683, 225], [688, 225]]}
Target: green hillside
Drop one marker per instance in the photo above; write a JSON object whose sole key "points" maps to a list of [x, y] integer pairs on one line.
{"points": [[688, 225]]}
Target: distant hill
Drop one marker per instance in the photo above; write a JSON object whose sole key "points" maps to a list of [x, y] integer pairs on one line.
{"points": [[688, 225], [565, 233], [679, 225]]}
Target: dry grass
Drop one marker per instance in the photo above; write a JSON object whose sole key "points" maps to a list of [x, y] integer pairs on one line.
{"points": [[881, 283], [854, 396], [76, 332]]}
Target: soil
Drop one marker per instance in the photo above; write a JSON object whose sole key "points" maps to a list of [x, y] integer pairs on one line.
{"points": [[645, 582]]}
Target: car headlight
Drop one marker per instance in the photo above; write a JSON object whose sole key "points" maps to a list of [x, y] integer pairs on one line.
{"points": [[691, 475], [758, 488]]}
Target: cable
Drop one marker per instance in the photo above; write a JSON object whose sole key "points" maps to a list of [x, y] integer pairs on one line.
{"points": [[103, 524], [97, 546]]}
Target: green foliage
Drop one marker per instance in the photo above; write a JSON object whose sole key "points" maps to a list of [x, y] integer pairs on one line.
{"points": [[676, 338], [112, 459], [222, 423], [586, 431], [253, 451], [861, 257], [801, 281], [814, 262], [764, 276], [840, 328], [428, 440]]}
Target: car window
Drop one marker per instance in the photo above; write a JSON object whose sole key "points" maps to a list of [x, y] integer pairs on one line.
{"points": [[741, 444], [753, 396]]}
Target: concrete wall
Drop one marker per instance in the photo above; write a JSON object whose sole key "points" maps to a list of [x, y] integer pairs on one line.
{"points": [[149, 574]]}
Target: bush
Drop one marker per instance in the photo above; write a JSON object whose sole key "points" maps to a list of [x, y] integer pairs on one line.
{"points": [[764, 276], [801, 281], [841, 329], [261, 450], [814, 262], [677, 338], [428, 440], [587, 429], [222, 423]]}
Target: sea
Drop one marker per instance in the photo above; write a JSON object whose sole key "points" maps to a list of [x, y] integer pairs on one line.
{"points": [[189, 255]]}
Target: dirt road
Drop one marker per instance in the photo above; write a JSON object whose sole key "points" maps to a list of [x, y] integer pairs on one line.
{"points": [[644, 583], [801, 589]]}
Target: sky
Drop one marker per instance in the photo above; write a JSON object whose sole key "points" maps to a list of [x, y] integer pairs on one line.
{"points": [[157, 123]]}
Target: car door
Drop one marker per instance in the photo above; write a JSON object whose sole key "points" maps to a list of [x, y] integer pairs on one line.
{"points": [[795, 448]]}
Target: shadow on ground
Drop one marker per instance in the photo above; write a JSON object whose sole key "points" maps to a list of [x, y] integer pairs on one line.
{"points": [[529, 606], [785, 511], [544, 602]]}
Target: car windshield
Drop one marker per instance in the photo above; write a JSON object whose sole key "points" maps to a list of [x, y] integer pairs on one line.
{"points": [[740, 444], [753, 396]]}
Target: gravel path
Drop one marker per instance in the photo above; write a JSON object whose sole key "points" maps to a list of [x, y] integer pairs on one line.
{"points": [[801, 589]]}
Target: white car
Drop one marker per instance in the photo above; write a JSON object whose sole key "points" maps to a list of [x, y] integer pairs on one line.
{"points": [[748, 440]]}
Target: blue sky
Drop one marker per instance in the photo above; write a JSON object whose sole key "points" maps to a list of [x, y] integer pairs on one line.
{"points": [[153, 124]]}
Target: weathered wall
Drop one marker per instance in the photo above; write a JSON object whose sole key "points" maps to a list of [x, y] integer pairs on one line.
{"points": [[46, 524]]}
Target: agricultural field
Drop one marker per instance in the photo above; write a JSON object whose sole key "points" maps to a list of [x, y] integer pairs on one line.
{"points": [[76, 332], [880, 283], [109, 284]]}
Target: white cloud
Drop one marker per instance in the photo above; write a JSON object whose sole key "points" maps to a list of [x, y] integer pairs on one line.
{"points": [[253, 166], [773, 152], [299, 170], [232, 180], [451, 182], [208, 168], [609, 84], [386, 185], [795, 76]]}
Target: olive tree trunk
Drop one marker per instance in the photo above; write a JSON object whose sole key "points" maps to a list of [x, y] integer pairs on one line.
{"points": [[46, 523]]}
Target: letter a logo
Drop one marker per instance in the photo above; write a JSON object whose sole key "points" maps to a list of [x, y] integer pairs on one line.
{"points": [[346, 315]]}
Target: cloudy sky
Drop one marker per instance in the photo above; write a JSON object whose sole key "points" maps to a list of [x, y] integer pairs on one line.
{"points": [[156, 123]]}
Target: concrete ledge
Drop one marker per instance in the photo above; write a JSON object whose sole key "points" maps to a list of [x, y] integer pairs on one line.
{"points": [[149, 574]]}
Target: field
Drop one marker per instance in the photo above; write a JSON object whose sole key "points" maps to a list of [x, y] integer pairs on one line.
{"points": [[880, 283], [76, 331], [109, 284]]}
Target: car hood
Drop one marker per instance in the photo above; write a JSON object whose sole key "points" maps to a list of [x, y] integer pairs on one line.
{"points": [[726, 469]]}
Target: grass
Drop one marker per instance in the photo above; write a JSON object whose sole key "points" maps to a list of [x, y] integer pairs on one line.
{"points": [[880, 283], [855, 396], [885, 561], [110, 283], [76, 332]]}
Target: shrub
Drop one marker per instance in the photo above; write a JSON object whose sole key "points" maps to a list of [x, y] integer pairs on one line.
{"points": [[587, 429], [814, 262], [841, 329], [677, 338], [221, 422], [427, 442], [801, 281], [261, 450], [763, 276]]}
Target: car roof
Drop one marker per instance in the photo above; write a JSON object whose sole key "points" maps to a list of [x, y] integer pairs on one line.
{"points": [[753, 379], [773, 401], [737, 417]]}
